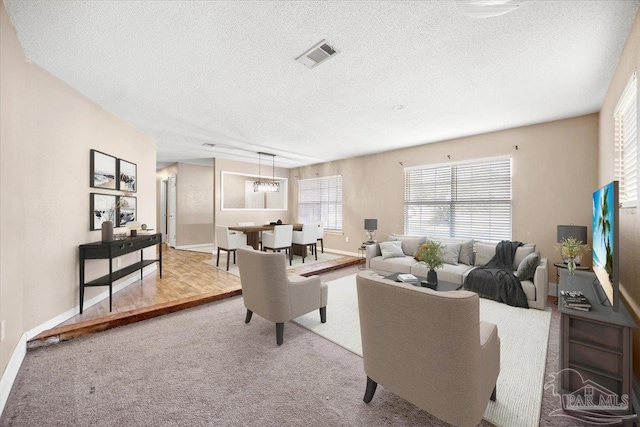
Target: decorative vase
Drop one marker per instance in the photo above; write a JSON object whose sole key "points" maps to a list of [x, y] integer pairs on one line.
{"points": [[107, 231], [571, 265], [432, 277]]}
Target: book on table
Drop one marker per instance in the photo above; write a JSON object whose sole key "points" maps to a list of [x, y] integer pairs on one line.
{"points": [[407, 278], [575, 299]]}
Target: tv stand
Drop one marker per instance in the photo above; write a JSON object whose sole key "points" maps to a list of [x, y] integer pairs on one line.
{"points": [[596, 343], [599, 293]]}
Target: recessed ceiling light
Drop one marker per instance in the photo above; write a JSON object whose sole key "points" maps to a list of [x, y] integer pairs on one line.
{"points": [[487, 8], [208, 144]]}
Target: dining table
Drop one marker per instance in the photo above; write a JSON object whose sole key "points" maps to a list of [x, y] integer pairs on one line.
{"points": [[253, 232]]}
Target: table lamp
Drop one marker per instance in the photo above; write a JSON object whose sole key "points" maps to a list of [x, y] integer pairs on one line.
{"points": [[370, 225]]}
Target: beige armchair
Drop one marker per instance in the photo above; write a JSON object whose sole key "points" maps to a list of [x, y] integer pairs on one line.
{"points": [[273, 294], [428, 347], [228, 241]]}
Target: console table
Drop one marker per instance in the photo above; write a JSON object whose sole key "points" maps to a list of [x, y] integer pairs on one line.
{"points": [[595, 343], [111, 250]]}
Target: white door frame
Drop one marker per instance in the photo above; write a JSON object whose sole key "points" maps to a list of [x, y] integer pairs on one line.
{"points": [[172, 211]]}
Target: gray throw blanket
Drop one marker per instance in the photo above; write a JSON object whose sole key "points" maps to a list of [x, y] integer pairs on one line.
{"points": [[496, 280]]}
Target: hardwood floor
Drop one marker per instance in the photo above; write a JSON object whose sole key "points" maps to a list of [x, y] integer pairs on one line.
{"points": [[186, 282]]}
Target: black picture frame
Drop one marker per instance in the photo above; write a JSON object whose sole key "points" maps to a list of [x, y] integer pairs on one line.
{"points": [[127, 174], [102, 207], [127, 210], [103, 170]]}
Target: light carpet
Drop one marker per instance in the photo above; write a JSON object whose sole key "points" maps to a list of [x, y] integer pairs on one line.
{"points": [[523, 349], [297, 261], [207, 249]]}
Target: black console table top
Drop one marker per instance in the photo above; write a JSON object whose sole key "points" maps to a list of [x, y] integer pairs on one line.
{"points": [[111, 250]]}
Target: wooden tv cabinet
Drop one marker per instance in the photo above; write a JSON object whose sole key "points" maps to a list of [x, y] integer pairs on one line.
{"points": [[595, 343]]}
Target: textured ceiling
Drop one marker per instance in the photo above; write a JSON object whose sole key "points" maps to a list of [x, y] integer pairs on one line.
{"points": [[408, 73]]}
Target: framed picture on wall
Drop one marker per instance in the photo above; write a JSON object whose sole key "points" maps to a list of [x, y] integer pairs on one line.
{"points": [[103, 170], [103, 207], [126, 210], [127, 173]]}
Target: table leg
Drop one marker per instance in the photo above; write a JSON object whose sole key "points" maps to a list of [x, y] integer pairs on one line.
{"points": [[160, 258], [253, 239], [110, 284], [81, 279]]}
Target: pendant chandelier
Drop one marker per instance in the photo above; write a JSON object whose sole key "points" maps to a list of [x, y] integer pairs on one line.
{"points": [[266, 186]]}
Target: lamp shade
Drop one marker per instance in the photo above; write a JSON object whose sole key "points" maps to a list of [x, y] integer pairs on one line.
{"points": [[578, 232], [370, 224]]}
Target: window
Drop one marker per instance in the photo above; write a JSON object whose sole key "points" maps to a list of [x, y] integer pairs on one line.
{"points": [[626, 141], [320, 199], [468, 200]]}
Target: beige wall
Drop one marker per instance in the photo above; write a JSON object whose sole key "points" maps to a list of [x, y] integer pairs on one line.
{"points": [[259, 216], [194, 205], [554, 174], [629, 218], [13, 68], [194, 202], [50, 129]]}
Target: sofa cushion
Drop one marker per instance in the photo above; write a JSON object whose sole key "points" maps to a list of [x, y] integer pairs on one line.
{"points": [[528, 266], [450, 253], [392, 265], [448, 272], [484, 253], [391, 249], [410, 244], [522, 252], [466, 248]]}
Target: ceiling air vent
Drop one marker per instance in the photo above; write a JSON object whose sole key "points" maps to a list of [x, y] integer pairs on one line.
{"points": [[317, 54]]}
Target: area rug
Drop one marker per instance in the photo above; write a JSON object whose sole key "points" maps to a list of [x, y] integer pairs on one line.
{"points": [[297, 261], [207, 249], [523, 349]]}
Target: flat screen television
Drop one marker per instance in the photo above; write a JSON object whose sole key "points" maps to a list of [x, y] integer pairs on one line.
{"points": [[605, 227]]}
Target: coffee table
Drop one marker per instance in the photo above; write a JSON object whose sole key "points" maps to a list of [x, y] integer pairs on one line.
{"points": [[442, 285]]}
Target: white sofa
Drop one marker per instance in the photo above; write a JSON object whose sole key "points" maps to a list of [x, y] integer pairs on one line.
{"points": [[471, 255]]}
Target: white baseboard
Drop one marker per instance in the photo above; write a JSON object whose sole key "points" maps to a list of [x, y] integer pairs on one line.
{"points": [[339, 252], [193, 246], [93, 301], [11, 371]]}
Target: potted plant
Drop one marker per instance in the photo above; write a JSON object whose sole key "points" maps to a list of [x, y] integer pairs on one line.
{"points": [[431, 254], [572, 250]]}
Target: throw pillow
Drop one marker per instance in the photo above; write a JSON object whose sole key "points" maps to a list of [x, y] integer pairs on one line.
{"points": [[522, 252], [410, 244], [466, 249], [527, 267], [391, 249], [451, 253], [484, 253]]}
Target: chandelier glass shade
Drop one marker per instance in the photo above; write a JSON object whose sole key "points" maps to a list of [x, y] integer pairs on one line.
{"points": [[266, 186]]}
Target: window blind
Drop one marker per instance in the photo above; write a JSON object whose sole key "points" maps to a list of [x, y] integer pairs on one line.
{"points": [[320, 200], [470, 200], [626, 141]]}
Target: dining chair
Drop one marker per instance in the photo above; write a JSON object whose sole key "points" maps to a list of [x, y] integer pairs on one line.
{"points": [[308, 237], [278, 239], [320, 235], [228, 241]]}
